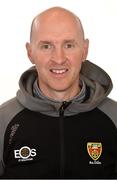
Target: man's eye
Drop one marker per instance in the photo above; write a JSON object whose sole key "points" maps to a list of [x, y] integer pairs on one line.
{"points": [[46, 46], [69, 45]]}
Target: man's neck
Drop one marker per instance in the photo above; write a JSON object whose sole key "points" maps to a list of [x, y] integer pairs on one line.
{"points": [[61, 95]]}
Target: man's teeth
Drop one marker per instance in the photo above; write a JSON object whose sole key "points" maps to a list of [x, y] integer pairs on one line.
{"points": [[58, 71]]}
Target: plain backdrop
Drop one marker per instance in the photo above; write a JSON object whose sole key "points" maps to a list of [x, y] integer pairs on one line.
{"points": [[99, 18]]}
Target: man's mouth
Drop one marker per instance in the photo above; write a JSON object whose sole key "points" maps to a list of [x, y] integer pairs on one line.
{"points": [[58, 71]]}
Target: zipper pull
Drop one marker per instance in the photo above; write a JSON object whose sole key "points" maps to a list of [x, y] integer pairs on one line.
{"points": [[64, 105]]}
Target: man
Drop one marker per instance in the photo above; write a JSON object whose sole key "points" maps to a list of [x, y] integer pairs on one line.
{"points": [[61, 123]]}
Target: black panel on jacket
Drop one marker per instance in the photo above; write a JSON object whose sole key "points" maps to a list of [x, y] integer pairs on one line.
{"points": [[32, 146]]}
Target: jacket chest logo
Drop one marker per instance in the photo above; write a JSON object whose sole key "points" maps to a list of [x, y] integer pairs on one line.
{"points": [[94, 150], [24, 154]]}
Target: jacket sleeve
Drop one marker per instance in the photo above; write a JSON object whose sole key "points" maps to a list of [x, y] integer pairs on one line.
{"points": [[109, 107], [1, 168], [7, 111]]}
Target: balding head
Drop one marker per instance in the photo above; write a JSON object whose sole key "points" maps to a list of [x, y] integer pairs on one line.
{"points": [[57, 49], [54, 16]]}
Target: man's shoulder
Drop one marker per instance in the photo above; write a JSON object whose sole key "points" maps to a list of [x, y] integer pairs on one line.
{"points": [[109, 107], [109, 104], [10, 104], [10, 108]]}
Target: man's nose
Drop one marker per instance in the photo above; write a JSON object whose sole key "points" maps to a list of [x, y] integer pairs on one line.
{"points": [[58, 56]]}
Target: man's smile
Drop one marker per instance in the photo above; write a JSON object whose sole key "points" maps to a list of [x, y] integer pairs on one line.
{"points": [[59, 71]]}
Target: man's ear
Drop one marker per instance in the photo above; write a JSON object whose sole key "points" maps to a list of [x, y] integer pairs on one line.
{"points": [[29, 52], [85, 49]]}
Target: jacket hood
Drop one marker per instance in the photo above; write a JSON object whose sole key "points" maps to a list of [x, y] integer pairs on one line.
{"points": [[95, 78]]}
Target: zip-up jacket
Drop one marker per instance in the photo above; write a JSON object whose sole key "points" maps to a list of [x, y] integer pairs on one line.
{"points": [[44, 138]]}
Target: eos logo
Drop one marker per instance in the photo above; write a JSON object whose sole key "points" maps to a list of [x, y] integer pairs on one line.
{"points": [[25, 153]]}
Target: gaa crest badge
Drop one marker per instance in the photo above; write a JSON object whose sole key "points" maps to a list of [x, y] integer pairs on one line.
{"points": [[94, 150]]}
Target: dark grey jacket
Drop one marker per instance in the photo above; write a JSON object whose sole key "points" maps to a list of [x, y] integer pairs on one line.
{"points": [[98, 85]]}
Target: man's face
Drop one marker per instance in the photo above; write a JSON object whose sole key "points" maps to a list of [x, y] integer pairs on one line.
{"points": [[57, 50]]}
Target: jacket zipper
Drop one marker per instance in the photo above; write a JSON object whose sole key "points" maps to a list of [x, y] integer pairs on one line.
{"points": [[62, 143]]}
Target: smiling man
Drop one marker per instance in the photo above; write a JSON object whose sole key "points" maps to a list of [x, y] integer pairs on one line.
{"points": [[61, 124], [57, 48]]}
